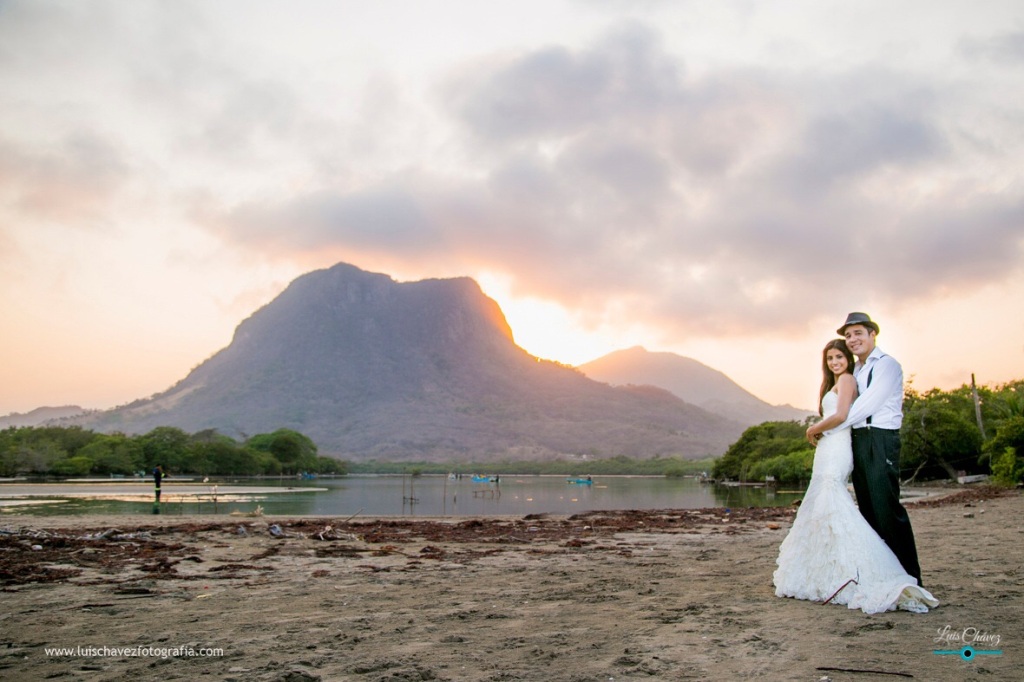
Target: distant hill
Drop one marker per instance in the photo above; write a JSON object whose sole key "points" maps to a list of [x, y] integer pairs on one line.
{"points": [[369, 367], [689, 380], [39, 416]]}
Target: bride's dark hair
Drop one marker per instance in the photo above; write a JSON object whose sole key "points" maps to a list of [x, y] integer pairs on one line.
{"points": [[829, 379]]}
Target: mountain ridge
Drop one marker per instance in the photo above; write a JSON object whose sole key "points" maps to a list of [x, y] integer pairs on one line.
{"points": [[373, 368], [40, 415], [691, 381]]}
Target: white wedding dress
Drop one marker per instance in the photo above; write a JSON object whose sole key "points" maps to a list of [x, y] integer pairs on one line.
{"points": [[830, 543]]}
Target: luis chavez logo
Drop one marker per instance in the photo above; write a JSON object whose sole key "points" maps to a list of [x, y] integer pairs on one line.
{"points": [[967, 638]]}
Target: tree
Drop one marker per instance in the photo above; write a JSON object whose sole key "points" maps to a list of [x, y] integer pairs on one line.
{"points": [[166, 445], [292, 449], [38, 449], [796, 467], [1008, 468], [227, 457], [113, 454], [1004, 415], [329, 465], [38, 456], [8, 451], [266, 463], [73, 466], [760, 443], [939, 433], [69, 439], [1005, 448]]}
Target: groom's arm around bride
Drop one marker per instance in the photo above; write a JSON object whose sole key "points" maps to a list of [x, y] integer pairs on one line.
{"points": [[875, 418]]}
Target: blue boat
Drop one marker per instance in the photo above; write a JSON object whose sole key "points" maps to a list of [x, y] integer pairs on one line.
{"points": [[580, 481]]}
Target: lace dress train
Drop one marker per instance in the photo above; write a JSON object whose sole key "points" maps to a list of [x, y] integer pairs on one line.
{"points": [[831, 544]]}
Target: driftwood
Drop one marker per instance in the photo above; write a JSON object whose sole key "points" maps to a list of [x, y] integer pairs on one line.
{"points": [[851, 580], [863, 670]]}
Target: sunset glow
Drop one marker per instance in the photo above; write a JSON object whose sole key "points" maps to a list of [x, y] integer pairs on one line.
{"points": [[725, 180]]}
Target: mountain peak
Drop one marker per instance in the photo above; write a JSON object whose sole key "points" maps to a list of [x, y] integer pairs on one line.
{"points": [[370, 367], [689, 380]]}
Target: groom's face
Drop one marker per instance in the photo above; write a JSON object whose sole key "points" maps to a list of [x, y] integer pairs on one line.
{"points": [[860, 340]]}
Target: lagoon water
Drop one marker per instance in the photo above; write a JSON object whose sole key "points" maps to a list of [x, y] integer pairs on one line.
{"points": [[366, 495]]}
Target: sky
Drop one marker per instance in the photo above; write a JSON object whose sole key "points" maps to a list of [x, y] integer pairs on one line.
{"points": [[724, 180]]}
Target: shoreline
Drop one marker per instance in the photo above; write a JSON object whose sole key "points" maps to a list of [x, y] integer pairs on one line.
{"points": [[692, 516], [651, 594]]}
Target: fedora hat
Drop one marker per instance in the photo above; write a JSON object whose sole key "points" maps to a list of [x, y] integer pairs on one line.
{"points": [[857, 318]]}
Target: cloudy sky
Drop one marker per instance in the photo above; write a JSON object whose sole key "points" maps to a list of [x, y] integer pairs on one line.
{"points": [[724, 180]]}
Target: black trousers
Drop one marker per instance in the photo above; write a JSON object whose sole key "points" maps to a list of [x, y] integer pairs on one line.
{"points": [[876, 482]]}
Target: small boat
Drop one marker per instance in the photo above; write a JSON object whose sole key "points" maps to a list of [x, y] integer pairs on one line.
{"points": [[580, 481], [484, 479]]}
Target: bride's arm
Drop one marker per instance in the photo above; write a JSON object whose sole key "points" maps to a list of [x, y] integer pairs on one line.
{"points": [[846, 388]]}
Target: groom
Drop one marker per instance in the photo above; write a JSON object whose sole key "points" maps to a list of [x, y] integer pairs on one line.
{"points": [[876, 416]]}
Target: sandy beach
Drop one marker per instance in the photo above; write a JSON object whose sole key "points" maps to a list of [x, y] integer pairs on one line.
{"points": [[665, 595]]}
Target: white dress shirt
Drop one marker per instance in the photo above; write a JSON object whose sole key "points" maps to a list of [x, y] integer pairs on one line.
{"points": [[883, 399]]}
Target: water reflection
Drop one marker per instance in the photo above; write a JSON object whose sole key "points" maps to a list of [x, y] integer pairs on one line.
{"points": [[438, 496]]}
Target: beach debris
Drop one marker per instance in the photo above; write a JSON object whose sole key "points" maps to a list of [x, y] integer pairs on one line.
{"points": [[242, 530], [864, 670], [107, 533], [276, 531], [116, 534], [965, 497], [851, 580], [258, 511], [331, 533], [298, 675]]}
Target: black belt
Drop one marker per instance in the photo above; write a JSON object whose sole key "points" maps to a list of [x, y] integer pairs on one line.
{"points": [[869, 427]]}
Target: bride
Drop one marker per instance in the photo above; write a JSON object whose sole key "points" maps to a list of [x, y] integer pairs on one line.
{"points": [[831, 553]]}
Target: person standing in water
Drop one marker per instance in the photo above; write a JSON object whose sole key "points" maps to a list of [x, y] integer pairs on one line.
{"points": [[158, 477]]}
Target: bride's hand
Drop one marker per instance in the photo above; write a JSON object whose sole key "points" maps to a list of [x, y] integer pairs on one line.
{"points": [[813, 438]]}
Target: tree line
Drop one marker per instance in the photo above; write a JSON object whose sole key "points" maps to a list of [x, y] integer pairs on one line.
{"points": [[75, 451], [942, 436], [943, 433]]}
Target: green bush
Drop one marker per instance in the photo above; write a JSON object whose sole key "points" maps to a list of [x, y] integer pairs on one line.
{"points": [[1007, 468], [78, 465], [794, 467], [763, 443]]}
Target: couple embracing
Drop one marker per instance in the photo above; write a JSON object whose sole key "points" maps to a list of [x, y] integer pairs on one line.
{"points": [[863, 556]]}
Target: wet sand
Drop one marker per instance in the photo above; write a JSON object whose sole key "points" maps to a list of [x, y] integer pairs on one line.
{"points": [[652, 595]]}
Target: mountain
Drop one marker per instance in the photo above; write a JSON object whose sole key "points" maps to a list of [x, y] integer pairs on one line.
{"points": [[689, 380], [39, 416], [370, 367]]}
